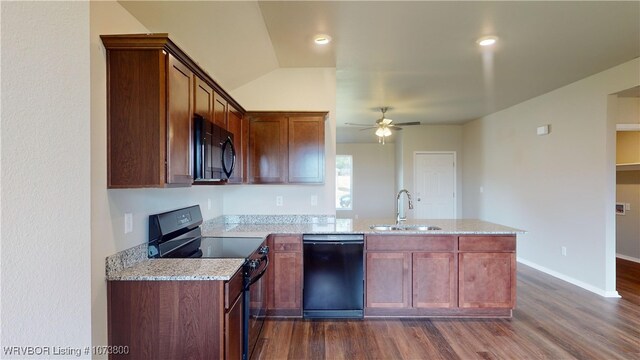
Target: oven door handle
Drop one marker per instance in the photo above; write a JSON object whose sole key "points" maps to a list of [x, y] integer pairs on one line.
{"points": [[252, 280]]}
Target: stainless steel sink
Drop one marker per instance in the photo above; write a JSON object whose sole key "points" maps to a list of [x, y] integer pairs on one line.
{"points": [[420, 227], [404, 228]]}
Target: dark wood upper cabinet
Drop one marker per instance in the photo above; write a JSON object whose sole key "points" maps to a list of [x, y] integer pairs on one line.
{"points": [[268, 151], [153, 90], [286, 147], [203, 105], [179, 124], [306, 149], [240, 130], [219, 111]]}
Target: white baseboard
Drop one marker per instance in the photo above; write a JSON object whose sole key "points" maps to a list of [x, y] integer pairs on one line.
{"points": [[630, 258], [593, 289]]}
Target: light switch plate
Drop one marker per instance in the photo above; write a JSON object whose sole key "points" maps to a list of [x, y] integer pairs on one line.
{"points": [[542, 130], [314, 200], [128, 223]]}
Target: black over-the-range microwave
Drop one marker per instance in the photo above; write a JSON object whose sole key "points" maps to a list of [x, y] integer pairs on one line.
{"points": [[214, 152]]}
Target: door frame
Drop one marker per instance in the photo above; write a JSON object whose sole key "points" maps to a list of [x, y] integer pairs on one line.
{"points": [[455, 175]]}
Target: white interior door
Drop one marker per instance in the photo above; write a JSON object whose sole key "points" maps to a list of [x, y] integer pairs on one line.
{"points": [[434, 185]]}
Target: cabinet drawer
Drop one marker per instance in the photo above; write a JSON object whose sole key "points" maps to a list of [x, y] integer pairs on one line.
{"points": [[487, 243], [287, 243], [411, 243], [232, 289]]}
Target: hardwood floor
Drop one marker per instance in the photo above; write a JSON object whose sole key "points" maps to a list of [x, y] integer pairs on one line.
{"points": [[553, 320], [628, 280]]}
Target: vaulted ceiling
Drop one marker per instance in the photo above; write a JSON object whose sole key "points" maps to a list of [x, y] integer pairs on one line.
{"points": [[418, 57]]}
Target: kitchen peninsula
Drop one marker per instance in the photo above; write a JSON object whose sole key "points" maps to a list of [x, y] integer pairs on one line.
{"points": [[479, 250], [465, 269]]}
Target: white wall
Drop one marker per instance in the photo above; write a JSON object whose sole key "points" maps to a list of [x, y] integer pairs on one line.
{"points": [[289, 89], [46, 235], [559, 187], [430, 138], [109, 206], [374, 186]]}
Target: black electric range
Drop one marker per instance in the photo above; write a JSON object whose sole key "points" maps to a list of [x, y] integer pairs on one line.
{"points": [[177, 234]]}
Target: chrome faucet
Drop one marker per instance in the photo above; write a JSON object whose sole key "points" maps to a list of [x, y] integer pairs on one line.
{"points": [[398, 218]]}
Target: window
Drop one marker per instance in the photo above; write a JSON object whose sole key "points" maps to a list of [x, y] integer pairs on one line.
{"points": [[344, 182]]}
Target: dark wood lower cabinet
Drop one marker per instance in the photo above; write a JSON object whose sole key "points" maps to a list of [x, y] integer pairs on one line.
{"points": [[388, 281], [434, 280], [284, 279], [174, 320], [448, 276], [487, 280], [233, 330]]}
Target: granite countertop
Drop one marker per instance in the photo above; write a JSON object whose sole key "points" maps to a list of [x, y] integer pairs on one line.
{"points": [[179, 269], [133, 264], [362, 226]]}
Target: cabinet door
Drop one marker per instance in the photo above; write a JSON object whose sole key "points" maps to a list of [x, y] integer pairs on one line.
{"points": [[203, 104], [286, 280], [233, 331], [219, 111], [487, 280], [388, 284], [179, 128], [234, 125], [434, 280], [268, 150], [306, 150]]}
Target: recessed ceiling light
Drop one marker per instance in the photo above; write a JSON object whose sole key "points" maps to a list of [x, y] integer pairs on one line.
{"points": [[322, 39], [487, 40]]}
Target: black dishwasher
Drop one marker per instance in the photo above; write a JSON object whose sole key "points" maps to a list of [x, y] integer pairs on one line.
{"points": [[333, 284]]}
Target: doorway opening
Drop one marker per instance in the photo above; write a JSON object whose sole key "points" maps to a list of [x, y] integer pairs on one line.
{"points": [[628, 193]]}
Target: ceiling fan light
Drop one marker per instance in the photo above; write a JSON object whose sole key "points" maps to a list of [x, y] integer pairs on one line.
{"points": [[380, 132], [386, 132]]}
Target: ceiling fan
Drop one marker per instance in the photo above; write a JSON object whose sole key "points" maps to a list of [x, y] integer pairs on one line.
{"points": [[383, 126]]}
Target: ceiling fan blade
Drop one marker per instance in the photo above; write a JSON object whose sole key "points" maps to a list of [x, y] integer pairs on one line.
{"points": [[369, 128], [408, 123], [352, 124]]}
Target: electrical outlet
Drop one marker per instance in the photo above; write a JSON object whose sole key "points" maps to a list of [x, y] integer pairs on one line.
{"points": [[279, 200], [208, 204], [314, 200], [481, 189], [564, 251], [128, 223]]}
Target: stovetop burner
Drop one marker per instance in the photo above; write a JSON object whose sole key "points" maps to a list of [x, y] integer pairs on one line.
{"points": [[229, 247]]}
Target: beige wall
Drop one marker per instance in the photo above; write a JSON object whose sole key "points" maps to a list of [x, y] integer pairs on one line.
{"points": [[46, 234], [430, 138], [628, 110], [559, 187], [373, 180], [289, 89]]}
